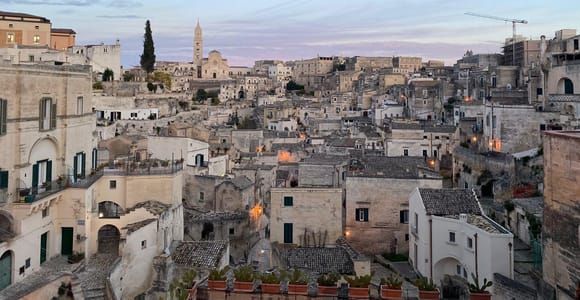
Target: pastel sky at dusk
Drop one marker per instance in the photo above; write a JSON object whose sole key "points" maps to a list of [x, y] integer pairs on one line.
{"points": [[247, 30]]}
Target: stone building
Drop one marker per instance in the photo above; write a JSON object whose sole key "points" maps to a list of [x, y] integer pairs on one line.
{"points": [[101, 57], [420, 139], [407, 64], [214, 66], [450, 235], [561, 229], [377, 222], [24, 29], [56, 199], [425, 100]]}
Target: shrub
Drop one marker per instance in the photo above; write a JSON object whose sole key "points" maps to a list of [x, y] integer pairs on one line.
{"points": [[297, 277], [244, 274], [359, 281], [393, 282], [217, 274], [476, 288], [425, 284], [270, 278], [330, 279]]}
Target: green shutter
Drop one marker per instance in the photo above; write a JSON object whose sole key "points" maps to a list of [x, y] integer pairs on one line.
{"points": [[53, 116], [3, 179], [3, 116], [35, 175], [40, 114], [75, 167], [83, 163], [366, 212], [49, 171]]}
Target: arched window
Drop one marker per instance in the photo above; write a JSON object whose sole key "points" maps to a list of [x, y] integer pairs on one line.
{"points": [[109, 210]]}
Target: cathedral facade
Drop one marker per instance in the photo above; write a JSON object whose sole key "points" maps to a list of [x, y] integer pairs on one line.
{"points": [[212, 67]]}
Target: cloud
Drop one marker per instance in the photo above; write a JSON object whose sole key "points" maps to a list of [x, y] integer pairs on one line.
{"points": [[52, 2], [120, 17]]}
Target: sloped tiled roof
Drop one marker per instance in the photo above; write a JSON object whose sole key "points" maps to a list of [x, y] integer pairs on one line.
{"points": [[444, 202], [200, 254], [152, 206], [319, 260], [138, 225]]}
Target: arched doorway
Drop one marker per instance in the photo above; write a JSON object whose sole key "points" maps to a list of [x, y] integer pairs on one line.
{"points": [[199, 160], [108, 239], [241, 94], [5, 269], [207, 231], [566, 86], [447, 266]]}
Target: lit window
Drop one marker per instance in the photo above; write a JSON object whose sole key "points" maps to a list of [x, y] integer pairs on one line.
{"points": [[10, 38], [36, 39]]}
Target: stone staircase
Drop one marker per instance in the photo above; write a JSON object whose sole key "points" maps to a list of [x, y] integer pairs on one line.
{"points": [[90, 282]]}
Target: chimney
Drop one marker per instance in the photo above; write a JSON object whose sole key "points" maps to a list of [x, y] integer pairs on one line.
{"points": [[463, 218]]}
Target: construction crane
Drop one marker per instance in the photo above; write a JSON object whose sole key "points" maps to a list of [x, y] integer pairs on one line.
{"points": [[514, 22]]}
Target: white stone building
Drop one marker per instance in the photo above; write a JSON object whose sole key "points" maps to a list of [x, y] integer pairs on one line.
{"points": [[101, 57], [194, 153], [450, 235]]}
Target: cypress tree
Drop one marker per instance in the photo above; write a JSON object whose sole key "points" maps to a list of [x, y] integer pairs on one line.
{"points": [[148, 56]]}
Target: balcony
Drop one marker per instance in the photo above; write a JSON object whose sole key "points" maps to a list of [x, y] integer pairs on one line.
{"points": [[564, 98], [33, 194]]}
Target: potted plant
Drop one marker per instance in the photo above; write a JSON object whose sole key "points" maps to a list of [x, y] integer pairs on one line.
{"points": [[477, 292], [427, 289], [217, 279], [244, 279], [270, 283], [391, 287], [327, 284], [359, 286], [297, 283]]}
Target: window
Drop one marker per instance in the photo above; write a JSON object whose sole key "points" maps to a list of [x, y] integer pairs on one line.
{"points": [[133, 115], [36, 39], [143, 244], [424, 153], [47, 120], [10, 38], [41, 174], [3, 115], [112, 184], [80, 101], [458, 270], [21, 271], [542, 127], [201, 196], [10, 25], [362, 214], [436, 137], [493, 81], [493, 121], [79, 165], [424, 137], [406, 152], [232, 231], [452, 237], [465, 185], [416, 225], [27, 264], [576, 44], [406, 237], [539, 91], [45, 212], [404, 216], [36, 27], [469, 243], [288, 201], [31, 58], [3, 180]]}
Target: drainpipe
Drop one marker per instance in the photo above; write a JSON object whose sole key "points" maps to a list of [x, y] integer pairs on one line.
{"points": [[476, 259], [431, 248]]}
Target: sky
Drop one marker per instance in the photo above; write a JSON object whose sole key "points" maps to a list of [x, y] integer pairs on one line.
{"points": [[248, 30]]}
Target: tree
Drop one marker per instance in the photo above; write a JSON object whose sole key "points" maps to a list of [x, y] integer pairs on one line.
{"points": [[201, 95], [162, 77], [128, 76], [148, 56], [293, 86], [108, 75]]}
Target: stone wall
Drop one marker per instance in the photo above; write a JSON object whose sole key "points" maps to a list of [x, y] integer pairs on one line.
{"points": [[561, 229], [505, 288]]}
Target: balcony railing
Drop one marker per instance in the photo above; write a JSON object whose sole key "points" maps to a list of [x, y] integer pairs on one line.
{"points": [[33, 194], [564, 97]]}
